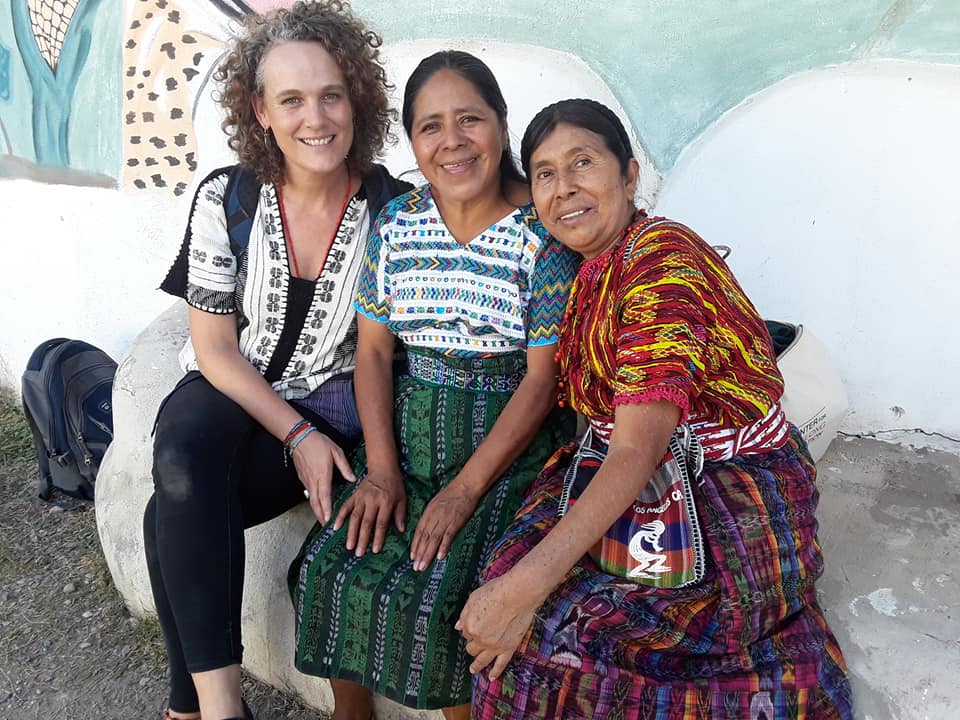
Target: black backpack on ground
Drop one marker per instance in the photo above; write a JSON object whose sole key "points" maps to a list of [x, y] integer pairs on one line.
{"points": [[67, 389]]}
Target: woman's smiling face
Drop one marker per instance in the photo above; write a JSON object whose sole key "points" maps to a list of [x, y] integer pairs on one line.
{"points": [[306, 105], [582, 196], [457, 138]]}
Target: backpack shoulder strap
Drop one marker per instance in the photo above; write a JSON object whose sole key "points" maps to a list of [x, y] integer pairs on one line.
{"points": [[381, 187], [240, 205]]}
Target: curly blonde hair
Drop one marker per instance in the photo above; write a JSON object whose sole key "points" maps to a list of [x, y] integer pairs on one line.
{"points": [[355, 49]]}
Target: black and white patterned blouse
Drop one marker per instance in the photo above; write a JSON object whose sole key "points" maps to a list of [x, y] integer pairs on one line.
{"points": [[298, 333]]}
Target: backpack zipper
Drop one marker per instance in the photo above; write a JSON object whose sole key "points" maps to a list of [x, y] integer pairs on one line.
{"points": [[75, 431]]}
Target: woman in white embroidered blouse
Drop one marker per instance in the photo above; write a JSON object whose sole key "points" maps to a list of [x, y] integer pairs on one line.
{"points": [[269, 268]]}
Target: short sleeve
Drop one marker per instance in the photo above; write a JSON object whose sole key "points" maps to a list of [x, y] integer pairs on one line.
{"points": [[662, 343], [205, 272], [552, 275], [373, 287]]}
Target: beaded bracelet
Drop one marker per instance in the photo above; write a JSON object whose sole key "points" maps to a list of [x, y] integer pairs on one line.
{"points": [[294, 430], [299, 433], [293, 445]]}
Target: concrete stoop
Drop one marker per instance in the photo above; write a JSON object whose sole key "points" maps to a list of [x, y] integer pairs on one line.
{"points": [[890, 530], [889, 525]]}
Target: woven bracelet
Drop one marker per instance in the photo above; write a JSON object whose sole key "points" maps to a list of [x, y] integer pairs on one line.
{"points": [[293, 445], [298, 427]]}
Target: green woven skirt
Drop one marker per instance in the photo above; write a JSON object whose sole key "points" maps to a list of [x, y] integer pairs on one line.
{"points": [[373, 620]]}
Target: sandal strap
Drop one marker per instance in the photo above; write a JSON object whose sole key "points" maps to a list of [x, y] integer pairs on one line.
{"points": [[247, 713]]}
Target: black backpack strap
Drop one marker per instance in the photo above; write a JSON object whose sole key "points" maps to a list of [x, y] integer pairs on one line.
{"points": [[381, 187], [240, 199]]}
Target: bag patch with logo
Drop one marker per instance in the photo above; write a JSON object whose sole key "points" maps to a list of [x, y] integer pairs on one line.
{"points": [[657, 541]]}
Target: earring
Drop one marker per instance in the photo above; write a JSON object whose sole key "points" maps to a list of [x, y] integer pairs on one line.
{"points": [[266, 136]]}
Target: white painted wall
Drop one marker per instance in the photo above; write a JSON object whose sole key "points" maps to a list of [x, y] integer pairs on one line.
{"points": [[86, 262], [837, 190]]}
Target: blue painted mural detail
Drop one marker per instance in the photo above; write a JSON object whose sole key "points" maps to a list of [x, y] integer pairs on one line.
{"points": [[53, 69], [4, 72]]}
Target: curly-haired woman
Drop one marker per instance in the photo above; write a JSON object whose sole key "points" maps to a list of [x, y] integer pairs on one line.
{"points": [[265, 411]]}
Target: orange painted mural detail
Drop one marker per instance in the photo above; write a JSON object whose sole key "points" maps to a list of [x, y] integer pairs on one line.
{"points": [[166, 65]]}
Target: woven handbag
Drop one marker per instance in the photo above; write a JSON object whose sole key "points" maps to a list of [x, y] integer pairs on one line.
{"points": [[657, 541]]}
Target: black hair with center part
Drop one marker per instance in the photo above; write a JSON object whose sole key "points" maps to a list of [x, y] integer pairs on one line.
{"points": [[581, 113]]}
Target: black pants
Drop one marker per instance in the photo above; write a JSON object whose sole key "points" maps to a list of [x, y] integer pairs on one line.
{"points": [[216, 471]]}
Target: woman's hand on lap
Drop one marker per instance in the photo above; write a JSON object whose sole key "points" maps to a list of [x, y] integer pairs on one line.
{"points": [[314, 458], [444, 516], [378, 499], [495, 619]]}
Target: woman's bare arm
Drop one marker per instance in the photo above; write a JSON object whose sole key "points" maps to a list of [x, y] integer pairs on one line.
{"points": [[509, 437], [498, 614], [381, 496], [215, 342]]}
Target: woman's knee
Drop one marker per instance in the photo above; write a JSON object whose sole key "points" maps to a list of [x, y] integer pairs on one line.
{"points": [[177, 466], [197, 433]]}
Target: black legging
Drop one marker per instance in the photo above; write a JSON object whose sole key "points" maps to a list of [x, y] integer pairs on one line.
{"points": [[216, 471]]}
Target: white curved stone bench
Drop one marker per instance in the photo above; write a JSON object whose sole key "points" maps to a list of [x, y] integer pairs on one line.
{"points": [[124, 484]]}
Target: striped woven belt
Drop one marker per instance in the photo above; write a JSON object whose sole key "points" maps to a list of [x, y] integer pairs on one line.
{"points": [[473, 374], [722, 443]]}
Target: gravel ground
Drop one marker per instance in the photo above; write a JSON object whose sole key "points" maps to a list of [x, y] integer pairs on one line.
{"points": [[68, 647]]}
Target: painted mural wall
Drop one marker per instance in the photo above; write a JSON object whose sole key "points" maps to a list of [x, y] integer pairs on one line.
{"points": [[74, 71], [107, 119]]}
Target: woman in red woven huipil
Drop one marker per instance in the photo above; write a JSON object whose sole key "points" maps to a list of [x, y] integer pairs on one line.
{"points": [[657, 334]]}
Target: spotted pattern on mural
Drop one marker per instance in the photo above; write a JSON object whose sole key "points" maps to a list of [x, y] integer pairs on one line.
{"points": [[165, 64]]}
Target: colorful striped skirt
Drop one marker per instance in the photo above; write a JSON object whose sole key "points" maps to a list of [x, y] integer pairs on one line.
{"points": [[749, 642], [373, 620]]}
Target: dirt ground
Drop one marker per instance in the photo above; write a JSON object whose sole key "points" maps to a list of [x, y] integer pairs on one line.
{"points": [[68, 647]]}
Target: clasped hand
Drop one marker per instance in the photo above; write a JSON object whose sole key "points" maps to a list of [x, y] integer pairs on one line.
{"points": [[494, 621]]}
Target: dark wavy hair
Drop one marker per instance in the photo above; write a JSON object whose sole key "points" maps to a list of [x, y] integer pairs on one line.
{"points": [[355, 49], [475, 71], [582, 113]]}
